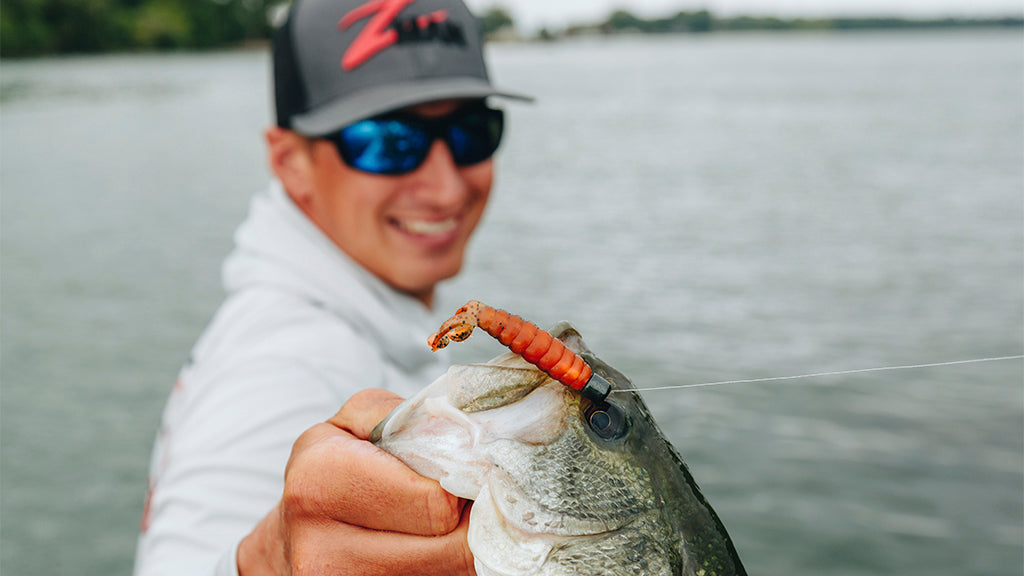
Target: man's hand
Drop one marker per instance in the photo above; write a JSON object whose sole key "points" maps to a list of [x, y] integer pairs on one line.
{"points": [[350, 508]]}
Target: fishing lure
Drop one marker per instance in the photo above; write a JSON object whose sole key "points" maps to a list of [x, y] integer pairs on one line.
{"points": [[525, 338]]}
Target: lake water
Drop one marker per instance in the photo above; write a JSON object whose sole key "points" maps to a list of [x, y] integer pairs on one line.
{"points": [[702, 208]]}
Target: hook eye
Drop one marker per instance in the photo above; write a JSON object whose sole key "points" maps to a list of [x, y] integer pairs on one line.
{"points": [[606, 420]]}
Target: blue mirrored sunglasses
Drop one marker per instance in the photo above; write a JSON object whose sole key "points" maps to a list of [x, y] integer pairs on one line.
{"points": [[398, 143]]}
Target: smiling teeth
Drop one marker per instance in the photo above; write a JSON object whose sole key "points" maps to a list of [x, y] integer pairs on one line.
{"points": [[428, 227]]}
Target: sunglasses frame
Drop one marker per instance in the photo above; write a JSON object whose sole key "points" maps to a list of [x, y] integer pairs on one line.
{"points": [[433, 128]]}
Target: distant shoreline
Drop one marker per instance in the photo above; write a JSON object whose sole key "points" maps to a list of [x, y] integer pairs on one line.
{"points": [[705, 22], [27, 35], [264, 45], [260, 45], [536, 38]]}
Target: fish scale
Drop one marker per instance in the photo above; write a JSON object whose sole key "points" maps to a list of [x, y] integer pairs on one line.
{"points": [[558, 473]]}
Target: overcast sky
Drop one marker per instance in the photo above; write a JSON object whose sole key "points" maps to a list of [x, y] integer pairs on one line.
{"points": [[532, 14]]}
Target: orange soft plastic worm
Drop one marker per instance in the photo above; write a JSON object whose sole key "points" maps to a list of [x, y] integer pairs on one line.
{"points": [[523, 337]]}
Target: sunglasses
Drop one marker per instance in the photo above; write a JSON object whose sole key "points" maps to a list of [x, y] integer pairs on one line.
{"points": [[398, 143]]}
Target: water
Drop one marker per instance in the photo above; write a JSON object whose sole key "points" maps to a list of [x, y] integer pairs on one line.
{"points": [[702, 209]]}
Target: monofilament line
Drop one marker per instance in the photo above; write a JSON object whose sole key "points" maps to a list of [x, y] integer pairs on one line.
{"points": [[835, 373]]}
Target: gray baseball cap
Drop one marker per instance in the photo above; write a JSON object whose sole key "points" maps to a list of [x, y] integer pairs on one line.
{"points": [[340, 61]]}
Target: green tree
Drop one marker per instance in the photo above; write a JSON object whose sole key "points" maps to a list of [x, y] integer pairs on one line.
{"points": [[161, 24], [622, 20], [23, 28], [29, 27], [495, 19], [701, 21], [41, 26]]}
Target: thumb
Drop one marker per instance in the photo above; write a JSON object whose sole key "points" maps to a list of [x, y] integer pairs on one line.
{"points": [[364, 410]]}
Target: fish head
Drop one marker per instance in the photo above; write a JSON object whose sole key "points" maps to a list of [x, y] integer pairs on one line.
{"points": [[556, 479], [478, 417]]}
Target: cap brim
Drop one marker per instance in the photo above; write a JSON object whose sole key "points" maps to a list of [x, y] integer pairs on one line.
{"points": [[381, 99]]}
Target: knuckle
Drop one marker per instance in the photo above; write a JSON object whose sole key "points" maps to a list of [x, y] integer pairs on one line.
{"points": [[303, 484], [442, 510], [295, 498], [308, 438]]}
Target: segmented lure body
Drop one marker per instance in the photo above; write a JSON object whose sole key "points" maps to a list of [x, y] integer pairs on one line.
{"points": [[523, 337]]}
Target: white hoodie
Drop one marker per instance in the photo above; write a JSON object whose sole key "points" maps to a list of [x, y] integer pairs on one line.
{"points": [[302, 329]]}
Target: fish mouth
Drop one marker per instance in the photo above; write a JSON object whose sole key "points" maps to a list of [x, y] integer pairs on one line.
{"points": [[448, 456]]}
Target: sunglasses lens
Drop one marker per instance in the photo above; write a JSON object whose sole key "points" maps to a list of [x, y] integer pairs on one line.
{"points": [[475, 136], [393, 146], [383, 146]]}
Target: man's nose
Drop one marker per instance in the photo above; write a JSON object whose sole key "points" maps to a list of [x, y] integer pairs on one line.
{"points": [[443, 183]]}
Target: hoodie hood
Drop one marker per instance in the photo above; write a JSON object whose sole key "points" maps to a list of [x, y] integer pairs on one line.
{"points": [[279, 248]]}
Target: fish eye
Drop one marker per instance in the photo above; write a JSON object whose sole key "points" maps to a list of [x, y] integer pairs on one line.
{"points": [[607, 420]]}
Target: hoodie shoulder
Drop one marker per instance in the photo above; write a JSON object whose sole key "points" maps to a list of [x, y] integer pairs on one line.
{"points": [[268, 327]]}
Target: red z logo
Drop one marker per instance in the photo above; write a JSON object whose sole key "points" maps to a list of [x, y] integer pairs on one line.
{"points": [[378, 33]]}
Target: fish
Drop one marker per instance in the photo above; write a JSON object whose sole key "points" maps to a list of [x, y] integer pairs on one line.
{"points": [[562, 484]]}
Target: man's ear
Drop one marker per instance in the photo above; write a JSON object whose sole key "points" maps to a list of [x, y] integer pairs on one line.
{"points": [[290, 158]]}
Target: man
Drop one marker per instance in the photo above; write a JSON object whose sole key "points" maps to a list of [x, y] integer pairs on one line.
{"points": [[383, 161]]}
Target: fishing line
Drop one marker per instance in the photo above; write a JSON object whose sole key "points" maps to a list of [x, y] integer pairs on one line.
{"points": [[836, 373]]}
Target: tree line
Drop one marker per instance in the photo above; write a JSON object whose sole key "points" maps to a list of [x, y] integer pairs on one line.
{"points": [[701, 21], [33, 27], [38, 27]]}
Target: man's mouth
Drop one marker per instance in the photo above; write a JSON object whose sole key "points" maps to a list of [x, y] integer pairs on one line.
{"points": [[427, 227]]}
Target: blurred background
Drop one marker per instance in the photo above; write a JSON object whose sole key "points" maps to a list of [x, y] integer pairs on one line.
{"points": [[708, 191]]}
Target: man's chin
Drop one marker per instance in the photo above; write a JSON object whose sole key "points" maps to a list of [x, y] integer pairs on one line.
{"points": [[422, 286]]}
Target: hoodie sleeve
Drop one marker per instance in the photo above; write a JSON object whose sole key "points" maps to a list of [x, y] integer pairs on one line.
{"points": [[228, 428], [219, 463]]}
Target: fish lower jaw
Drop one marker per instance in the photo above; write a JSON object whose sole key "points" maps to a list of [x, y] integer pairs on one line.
{"points": [[519, 544]]}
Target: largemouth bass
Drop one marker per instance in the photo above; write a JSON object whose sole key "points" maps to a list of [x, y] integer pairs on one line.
{"points": [[562, 485]]}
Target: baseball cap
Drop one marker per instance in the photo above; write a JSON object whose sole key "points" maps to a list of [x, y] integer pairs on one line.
{"points": [[340, 61]]}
